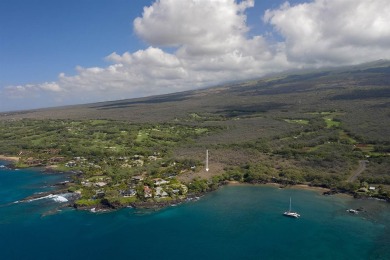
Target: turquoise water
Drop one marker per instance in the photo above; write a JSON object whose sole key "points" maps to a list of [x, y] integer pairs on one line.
{"points": [[235, 222]]}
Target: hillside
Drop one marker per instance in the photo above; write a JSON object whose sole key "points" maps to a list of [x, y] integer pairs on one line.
{"points": [[359, 94], [301, 127]]}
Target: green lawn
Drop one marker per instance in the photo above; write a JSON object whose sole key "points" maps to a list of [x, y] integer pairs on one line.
{"points": [[297, 121], [330, 122]]}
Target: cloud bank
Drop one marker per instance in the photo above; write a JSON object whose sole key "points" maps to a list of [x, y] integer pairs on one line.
{"points": [[197, 43], [333, 32]]}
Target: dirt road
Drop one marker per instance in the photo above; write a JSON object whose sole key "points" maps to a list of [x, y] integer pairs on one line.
{"points": [[359, 170]]}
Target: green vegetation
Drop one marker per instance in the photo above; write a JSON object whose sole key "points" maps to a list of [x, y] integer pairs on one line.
{"points": [[118, 163], [297, 121], [314, 128]]}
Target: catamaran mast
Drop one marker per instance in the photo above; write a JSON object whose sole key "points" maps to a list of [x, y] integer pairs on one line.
{"points": [[207, 160]]}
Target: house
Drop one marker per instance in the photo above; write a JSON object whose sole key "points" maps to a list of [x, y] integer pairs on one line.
{"points": [[138, 163], [147, 192], [137, 157], [160, 193], [180, 190], [129, 193], [79, 159], [100, 184], [159, 181], [152, 158], [86, 183], [137, 178], [371, 188], [70, 164]]}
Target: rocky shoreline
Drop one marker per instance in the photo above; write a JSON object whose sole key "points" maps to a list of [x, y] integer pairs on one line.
{"points": [[355, 195], [63, 188], [106, 205], [136, 205]]}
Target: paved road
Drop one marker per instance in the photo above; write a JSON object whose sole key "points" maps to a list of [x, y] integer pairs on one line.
{"points": [[359, 170]]}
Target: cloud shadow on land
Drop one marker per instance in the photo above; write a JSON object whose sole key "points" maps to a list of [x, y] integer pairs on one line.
{"points": [[151, 100], [364, 94], [248, 110]]}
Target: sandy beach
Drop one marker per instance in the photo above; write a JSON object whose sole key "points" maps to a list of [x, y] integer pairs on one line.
{"points": [[51, 167], [307, 187], [9, 158], [298, 186]]}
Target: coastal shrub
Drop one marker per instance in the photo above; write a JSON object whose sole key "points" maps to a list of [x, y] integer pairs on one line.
{"points": [[86, 203], [198, 186]]}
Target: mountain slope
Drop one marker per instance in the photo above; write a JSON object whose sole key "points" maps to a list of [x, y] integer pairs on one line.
{"points": [[361, 95], [313, 127]]}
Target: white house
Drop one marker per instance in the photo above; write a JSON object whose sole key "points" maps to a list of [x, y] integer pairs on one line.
{"points": [[160, 193], [159, 181]]}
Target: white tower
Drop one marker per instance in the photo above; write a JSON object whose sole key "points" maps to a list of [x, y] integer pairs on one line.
{"points": [[207, 160]]}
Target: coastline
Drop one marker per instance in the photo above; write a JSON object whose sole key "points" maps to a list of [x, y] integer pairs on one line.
{"points": [[194, 197], [155, 204], [312, 188], [112, 206], [9, 158], [320, 190], [278, 185]]}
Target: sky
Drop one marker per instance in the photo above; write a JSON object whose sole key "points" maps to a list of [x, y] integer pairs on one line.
{"points": [[63, 52]]}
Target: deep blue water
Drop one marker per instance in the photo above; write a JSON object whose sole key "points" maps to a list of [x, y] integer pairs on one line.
{"points": [[235, 222]]}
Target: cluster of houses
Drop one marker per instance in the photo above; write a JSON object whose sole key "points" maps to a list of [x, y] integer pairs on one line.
{"points": [[51, 157], [48, 157], [80, 161], [160, 188], [139, 186], [158, 191], [134, 161], [137, 160]]}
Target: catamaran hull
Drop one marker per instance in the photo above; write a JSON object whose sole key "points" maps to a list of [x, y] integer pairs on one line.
{"points": [[291, 214]]}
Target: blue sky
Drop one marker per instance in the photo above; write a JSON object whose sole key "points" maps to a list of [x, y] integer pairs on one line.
{"points": [[60, 52], [45, 37], [42, 38]]}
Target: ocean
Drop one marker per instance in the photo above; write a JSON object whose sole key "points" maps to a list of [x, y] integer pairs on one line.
{"points": [[235, 222]]}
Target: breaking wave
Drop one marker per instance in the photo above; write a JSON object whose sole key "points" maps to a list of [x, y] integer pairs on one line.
{"points": [[56, 198]]}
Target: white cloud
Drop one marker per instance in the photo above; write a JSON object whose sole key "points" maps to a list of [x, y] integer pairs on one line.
{"points": [[334, 32], [203, 27], [28, 89], [209, 44]]}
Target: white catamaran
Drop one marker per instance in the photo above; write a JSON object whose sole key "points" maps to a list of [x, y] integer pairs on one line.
{"points": [[291, 214]]}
